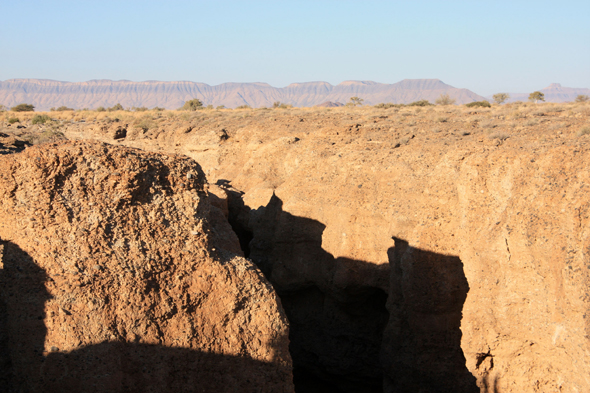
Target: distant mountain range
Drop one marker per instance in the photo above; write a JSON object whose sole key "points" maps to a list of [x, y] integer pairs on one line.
{"points": [[553, 93], [45, 94]]}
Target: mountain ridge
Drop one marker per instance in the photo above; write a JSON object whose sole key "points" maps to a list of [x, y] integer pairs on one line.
{"points": [[47, 93]]}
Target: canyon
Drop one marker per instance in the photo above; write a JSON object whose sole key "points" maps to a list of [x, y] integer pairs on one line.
{"points": [[435, 249]]}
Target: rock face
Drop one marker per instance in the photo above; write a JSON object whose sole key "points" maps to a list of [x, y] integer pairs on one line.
{"points": [[114, 280], [430, 250]]}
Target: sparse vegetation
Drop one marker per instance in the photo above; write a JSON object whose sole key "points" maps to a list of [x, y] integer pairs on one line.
{"points": [[355, 101], [23, 108], [61, 109], [536, 96], [584, 131], [3, 108], [12, 120], [145, 123], [387, 105], [101, 109], [192, 105], [280, 105], [139, 109], [478, 104], [582, 98], [220, 107], [117, 107], [40, 119], [244, 107], [444, 99], [500, 98], [420, 103]]}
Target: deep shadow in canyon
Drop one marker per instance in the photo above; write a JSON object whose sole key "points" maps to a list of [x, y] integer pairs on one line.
{"points": [[115, 366], [357, 326]]}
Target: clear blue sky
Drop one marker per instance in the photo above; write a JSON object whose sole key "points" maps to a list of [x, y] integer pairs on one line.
{"points": [[485, 46]]}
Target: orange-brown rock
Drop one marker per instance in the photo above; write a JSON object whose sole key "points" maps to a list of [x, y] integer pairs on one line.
{"points": [[444, 249], [114, 279]]}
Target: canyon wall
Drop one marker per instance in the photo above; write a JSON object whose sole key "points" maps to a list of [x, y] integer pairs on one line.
{"points": [[412, 250]]}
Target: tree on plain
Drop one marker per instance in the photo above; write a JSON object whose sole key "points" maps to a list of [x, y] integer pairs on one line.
{"points": [[444, 99], [192, 105], [355, 101], [500, 98], [582, 98], [536, 96], [23, 108]]}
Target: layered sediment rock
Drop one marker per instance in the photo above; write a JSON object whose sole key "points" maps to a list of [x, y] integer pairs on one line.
{"points": [[114, 279]]}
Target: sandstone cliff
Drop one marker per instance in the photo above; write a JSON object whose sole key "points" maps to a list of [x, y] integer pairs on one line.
{"points": [[114, 279]]}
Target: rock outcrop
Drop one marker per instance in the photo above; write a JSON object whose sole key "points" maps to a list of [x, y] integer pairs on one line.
{"points": [[114, 279], [434, 249]]}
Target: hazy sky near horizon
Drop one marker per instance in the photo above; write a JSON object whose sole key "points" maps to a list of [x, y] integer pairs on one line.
{"points": [[487, 47]]}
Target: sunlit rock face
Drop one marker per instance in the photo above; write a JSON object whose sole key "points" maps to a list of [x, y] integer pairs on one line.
{"points": [[114, 279]]}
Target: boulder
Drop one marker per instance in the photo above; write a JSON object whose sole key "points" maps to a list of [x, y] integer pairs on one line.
{"points": [[114, 279]]}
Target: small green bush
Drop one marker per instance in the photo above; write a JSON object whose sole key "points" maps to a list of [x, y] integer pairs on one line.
{"points": [[478, 104], [420, 103], [13, 120], [501, 97], [244, 107], [101, 109], [40, 119], [117, 107], [444, 99], [140, 109], [192, 105], [220, 107], [387, 105], [582, 98], [61, 109], [280, 105], [23, 108]]}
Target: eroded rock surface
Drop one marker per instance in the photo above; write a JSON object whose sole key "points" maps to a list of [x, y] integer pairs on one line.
{"points": [[491, 207], [113, 279]]}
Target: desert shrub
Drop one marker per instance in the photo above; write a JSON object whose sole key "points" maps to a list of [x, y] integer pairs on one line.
{"points": [[192, 105], [61, 109], [244, 107], [584, 131], [13, 120], [117, 107], [23, 108], [220, 107], [536, 96], [158, 109], [500, 98], [478, 104], [3, 108], [444, 99], [355, 101], [386, 105], [101, 109], [420, 103], [442, 119], [281, 105], [144, 123], [40, 119], [139, 109], [582, 98]]}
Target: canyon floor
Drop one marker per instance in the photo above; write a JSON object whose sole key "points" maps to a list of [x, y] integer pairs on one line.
{"points": [[423, 249]]}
